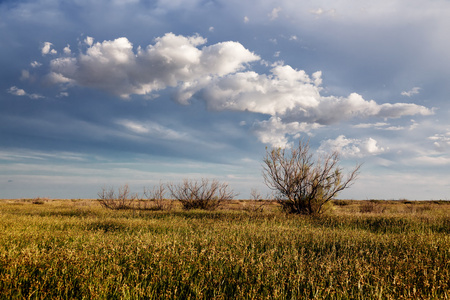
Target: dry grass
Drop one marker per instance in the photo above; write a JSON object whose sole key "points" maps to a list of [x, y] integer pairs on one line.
{"points": [[77, 249]]}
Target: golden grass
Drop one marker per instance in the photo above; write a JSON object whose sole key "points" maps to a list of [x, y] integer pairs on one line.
{"points": [[75, 249]]}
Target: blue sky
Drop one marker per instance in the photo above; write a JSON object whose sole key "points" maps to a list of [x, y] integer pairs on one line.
{"points": [[103, 93]]}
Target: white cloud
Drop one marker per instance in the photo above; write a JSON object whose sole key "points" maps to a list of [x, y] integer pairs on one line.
{"points": [[67, 50], [246, 19], [22, 155], [151, 129], [20, 92], [295, 97], [133, 126], [275, 132], [16, 91], [211, 29], [89, 41], [174, 60], [63, 94], [413, 91], [431, 160], [378, 125], [282, 90], [217, 74], [274, 13], [351, 147], [330, 110], [441, 141], [47, 49], [35, 64]]}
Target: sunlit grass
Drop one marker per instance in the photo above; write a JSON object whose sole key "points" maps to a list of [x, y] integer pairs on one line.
{"points": [[76, 249]]}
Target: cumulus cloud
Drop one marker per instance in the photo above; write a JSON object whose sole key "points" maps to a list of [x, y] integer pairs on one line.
{"points": [[16, 91], [219, 75], [89, 41], [331, 110], [20, 92], [67, 50], [441, 141], [274, 13], [47, 49], [291, 97], [113, 66], [35, 64], [351, 147], [275, 132], [413, 91]]}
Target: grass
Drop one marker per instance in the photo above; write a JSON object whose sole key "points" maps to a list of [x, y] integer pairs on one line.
{"points": [[75, 249]]}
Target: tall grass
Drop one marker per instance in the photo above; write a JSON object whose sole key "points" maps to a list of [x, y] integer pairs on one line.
{"points": [[65, 249]]}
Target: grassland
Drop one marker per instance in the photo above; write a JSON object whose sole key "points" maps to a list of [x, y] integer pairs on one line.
{"points": [[358, 250]]}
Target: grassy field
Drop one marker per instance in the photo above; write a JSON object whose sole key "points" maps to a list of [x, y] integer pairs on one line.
{"points": [[357, 250]]}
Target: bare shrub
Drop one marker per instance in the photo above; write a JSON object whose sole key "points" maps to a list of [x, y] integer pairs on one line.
{"points": [[342, 202], [155, 199], [201, 194], [416, 208], [255, 194], [39, 200], [124, 199], [256, 203], [370, 206], [304, 185]]}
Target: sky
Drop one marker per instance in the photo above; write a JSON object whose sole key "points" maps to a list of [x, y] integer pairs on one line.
{"points": [[105, 93]]}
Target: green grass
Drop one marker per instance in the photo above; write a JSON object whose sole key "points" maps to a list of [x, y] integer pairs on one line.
{"points": [[75, 249]]}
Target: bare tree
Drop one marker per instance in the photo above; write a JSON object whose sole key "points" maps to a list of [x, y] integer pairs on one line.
{"points": [[201, 194], [304, 185], [123, 200]]}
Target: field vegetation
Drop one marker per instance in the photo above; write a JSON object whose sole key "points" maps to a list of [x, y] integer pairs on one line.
{"points": [[52, 249]]}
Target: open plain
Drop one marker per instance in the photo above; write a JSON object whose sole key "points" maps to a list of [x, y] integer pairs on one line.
{"points": [[52, 249]]}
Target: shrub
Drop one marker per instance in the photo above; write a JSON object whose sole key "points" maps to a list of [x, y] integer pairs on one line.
{"points": [[123, 200], [371, 206], [304, 185], [201, 194], [39, 200], [256, 203], [155, 199]]}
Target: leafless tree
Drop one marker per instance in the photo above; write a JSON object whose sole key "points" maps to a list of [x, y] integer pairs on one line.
{"points": [[124, 199], [304, 185], [201, 194]]}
